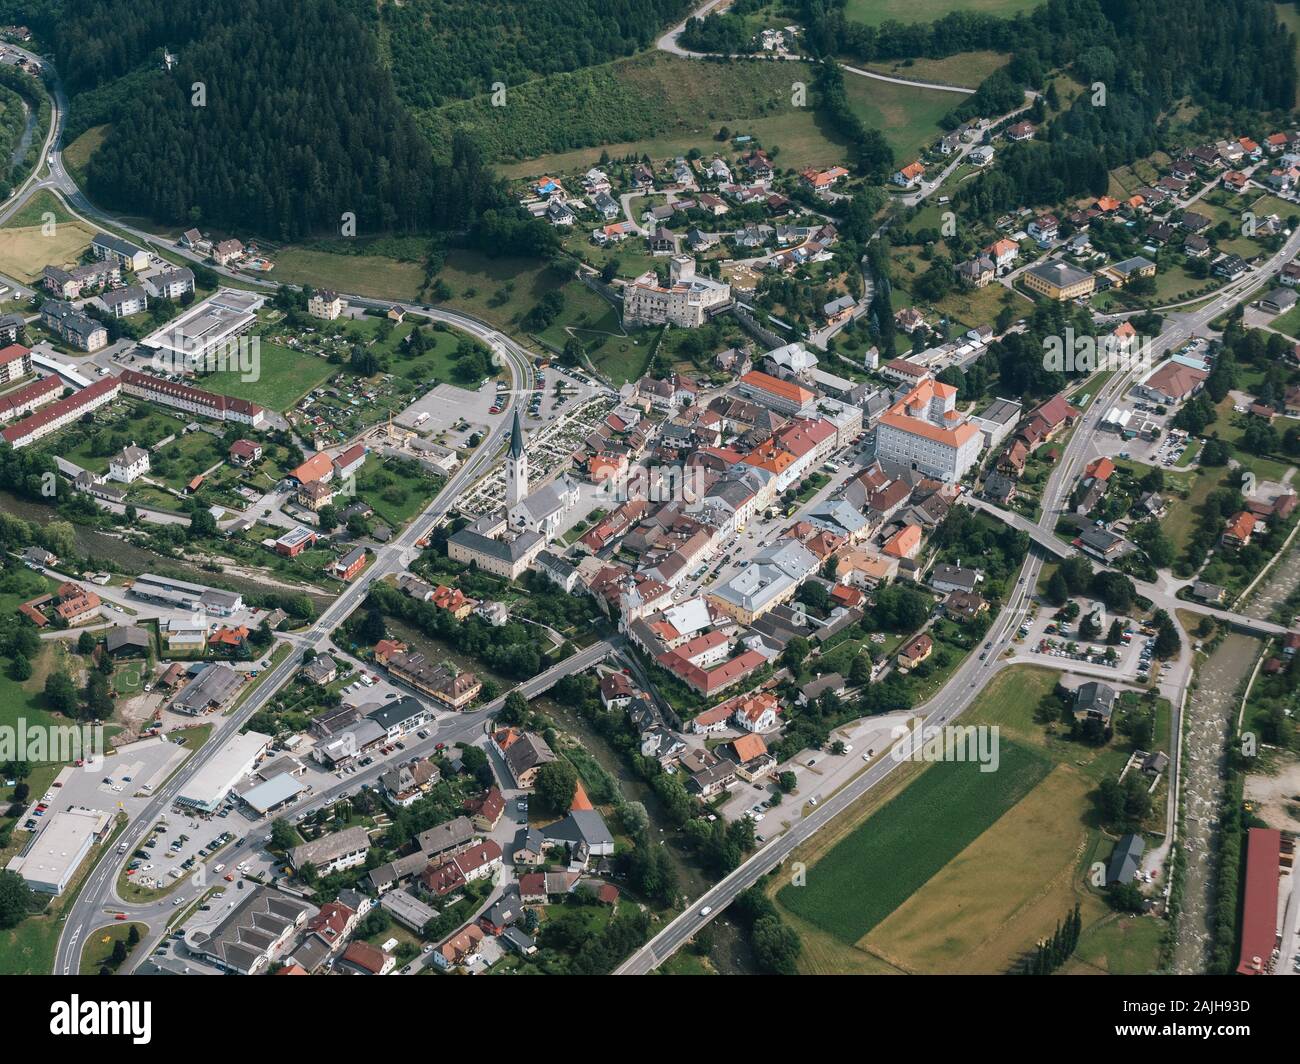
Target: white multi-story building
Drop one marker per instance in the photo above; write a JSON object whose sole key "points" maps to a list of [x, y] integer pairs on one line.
{"points": [[685, 302], [129, 464], [924, 431], [170, 284], [191, 400], [325, 304], [56, 415]]}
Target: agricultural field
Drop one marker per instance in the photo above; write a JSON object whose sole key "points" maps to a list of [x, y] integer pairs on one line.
{"points": [[366, 275], [1001, 856], [25, 249], [898, 850], [877, 12], [965, 69], [908, 117], [498, 290]]}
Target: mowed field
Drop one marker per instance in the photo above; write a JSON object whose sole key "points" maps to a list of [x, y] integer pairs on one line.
{"points": [[284, 377], [873, 871], [876, 12], [950, 870], [965, 69], [908, 117], [998, 893], [26, 250]]}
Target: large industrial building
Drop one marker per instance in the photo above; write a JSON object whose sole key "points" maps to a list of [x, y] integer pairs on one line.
{"points": [[56, 853], [210, 785]]}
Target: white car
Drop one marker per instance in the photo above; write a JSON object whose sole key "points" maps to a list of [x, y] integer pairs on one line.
{"points": [[706, 910]]}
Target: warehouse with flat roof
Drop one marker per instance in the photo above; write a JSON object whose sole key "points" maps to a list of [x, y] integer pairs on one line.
{"points": [[218, 777], [56, 853]]}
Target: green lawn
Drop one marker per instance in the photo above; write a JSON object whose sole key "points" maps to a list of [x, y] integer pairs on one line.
{"points": [[396, 491], [591, 317], [877, 12], [908, 117], [899, 848], [100, 942], [283, 377]]}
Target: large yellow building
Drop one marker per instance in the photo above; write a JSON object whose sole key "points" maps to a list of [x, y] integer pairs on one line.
{"points": [[1059, 280]]}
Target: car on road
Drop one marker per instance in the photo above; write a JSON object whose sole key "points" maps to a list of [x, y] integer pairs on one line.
{"points": [[119, 916], [706, 910]]}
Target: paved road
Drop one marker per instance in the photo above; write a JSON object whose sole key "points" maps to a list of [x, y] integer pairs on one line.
{"points": [[449, 730], [668, 43]]}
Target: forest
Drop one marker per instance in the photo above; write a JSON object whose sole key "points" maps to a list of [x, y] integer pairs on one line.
{"points": [[278, 117], [442, 50]]}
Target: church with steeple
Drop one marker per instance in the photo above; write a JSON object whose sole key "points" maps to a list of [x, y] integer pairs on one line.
{"points": [[544, 510], [516, 466]]}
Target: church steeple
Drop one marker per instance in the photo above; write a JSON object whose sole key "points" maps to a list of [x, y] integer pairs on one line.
{"points": [[516, 465], [516, 437]]}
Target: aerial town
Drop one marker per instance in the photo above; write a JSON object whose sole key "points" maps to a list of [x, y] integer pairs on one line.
{"points": [[720, 548]]}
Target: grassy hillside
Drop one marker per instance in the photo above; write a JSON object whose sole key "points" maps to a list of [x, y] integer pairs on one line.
{"points": [[659, 105]]}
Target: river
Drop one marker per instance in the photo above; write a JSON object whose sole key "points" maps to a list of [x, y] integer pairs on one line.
{"points": [[105, 551], [730, 954]]}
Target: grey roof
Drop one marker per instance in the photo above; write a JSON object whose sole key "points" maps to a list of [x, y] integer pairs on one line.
{"points": [[274, 792], [328, 847], [116, 243], [128, 294], [387, 875], [251, 929], [520, 941], [446, 836], [547, 500], [128, 636], [215, 685], [397, 711], [526, 752], [1125, 859], [1001, 412], [407, 908], [958, 577], [582, 825], [516, 436], [506, 550], [1095, 697], [1059, 273]]}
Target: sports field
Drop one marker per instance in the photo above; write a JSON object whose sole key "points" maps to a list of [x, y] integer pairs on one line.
{"points": [[26, 250], [285, 377], [876, 12]]}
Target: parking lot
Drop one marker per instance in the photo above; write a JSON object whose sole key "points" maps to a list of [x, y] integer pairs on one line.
{"points": [[1045, 640], [121, 781], [818, 775]]}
